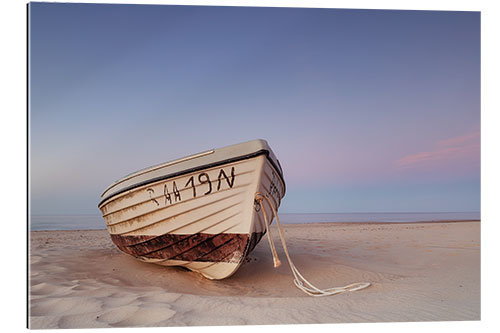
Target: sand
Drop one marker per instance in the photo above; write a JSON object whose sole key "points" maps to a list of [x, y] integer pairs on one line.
{"points": [[418, 271]]}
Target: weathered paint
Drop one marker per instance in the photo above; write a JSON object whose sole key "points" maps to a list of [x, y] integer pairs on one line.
{"points": [[223, 247]]}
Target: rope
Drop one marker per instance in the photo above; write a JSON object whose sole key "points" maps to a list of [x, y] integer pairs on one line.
{"points": [[299, 281]]}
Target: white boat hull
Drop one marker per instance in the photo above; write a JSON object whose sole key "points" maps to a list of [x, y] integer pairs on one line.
{"points": [[206, 220]]}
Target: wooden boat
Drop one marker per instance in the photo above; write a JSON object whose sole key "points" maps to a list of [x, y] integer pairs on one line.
{"points": [[199, 211]]}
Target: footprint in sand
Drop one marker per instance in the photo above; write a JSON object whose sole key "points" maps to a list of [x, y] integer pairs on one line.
{"points": [[120, 299], [117, 314], [142, 315], [43, 288], [81, 320], [160, 298], [64, 306]]}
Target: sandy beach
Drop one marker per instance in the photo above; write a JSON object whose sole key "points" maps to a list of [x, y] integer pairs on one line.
{"points": [[418, 271]]}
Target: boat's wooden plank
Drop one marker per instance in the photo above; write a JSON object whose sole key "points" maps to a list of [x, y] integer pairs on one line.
{"points": [[197, 247]]}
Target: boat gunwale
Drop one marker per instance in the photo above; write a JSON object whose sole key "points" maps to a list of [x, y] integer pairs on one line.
{"points": [[156, 167], [198, 168]]}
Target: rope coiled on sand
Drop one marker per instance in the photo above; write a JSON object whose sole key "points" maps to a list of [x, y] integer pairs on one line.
{"points": [[299, 281]]}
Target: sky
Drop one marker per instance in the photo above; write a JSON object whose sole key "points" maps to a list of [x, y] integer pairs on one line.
{"points": [[367, 110]]}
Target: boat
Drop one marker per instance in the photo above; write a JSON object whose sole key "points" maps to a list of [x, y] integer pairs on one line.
{"points": [[199, 212]]}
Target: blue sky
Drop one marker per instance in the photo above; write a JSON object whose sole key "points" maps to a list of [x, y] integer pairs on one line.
{"points": [[367, 110]]}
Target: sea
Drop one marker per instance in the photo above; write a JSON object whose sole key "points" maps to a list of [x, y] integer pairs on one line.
{"points": [[86, 222]]}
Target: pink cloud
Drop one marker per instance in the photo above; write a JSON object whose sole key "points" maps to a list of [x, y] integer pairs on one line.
{"points": [[449, 150], [466, 139]]}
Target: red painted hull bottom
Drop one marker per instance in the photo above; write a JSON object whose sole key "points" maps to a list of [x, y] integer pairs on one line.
{"points": [[199, 247]]}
